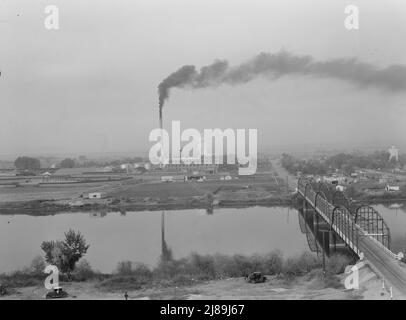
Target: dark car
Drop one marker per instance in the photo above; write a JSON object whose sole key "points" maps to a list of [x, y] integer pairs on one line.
{"points": [[255, 277], [56, 293], [3, 290]]}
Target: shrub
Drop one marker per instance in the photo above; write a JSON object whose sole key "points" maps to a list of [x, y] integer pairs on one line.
{"points": [[121, 283], [336, 263], [37, 266], [129, 276], [316, 280], [273, 263], [124, 268], [140, 270], [83, 271], [226, 267], [169, 269], [240, 265], [203, 265], [20, 279], [300, 265]]}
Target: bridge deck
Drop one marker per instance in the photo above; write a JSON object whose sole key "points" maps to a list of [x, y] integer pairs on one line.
{"points": [[359, 240]]}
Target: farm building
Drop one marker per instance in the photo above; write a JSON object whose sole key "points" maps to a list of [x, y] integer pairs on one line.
{"points": [[340, 188], [167, 179], [392, 188], [173, 178], [95, 195]]}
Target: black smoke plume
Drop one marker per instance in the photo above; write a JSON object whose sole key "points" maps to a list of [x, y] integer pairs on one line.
{"points": [[275, 65]]}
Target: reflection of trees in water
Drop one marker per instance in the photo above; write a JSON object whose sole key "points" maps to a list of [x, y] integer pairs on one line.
{"points": [[209, 208], [166, 252], [100, 214], [396, 206]]}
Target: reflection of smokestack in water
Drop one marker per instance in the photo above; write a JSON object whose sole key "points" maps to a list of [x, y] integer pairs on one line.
{"points": [[163, 230], [166, 253]]}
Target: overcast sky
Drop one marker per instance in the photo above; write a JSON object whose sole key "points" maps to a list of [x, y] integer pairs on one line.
{"points": [[91, 86]]}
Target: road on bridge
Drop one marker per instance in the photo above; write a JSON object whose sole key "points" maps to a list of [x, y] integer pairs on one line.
{"points": [[390, 269], [383, 262], [380, 259]]}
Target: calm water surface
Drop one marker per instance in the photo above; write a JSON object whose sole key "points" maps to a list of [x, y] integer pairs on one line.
{"points": [[396, 221], [136, 236]]}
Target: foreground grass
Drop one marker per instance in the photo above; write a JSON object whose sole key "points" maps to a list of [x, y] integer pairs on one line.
{"points": [[191, 270], [197, 268]]}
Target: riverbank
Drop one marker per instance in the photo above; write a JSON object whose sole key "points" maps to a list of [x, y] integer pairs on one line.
{"points": [[50, 207], [308, 287], [47, 207], [141, 195], [145, 196], [198, 277]]}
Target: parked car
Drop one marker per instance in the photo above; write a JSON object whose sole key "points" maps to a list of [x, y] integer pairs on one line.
{"points": [[56, 293], [255, 277]]}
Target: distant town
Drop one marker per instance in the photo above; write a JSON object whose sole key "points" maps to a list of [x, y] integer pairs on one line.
{"points": [[54, 184], [374, 177]]}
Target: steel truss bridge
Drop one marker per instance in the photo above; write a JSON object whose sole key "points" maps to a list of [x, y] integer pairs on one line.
{"points": [[359, 226]]}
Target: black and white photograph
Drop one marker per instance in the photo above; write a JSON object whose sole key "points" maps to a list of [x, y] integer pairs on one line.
{"points": [[202, 153]]}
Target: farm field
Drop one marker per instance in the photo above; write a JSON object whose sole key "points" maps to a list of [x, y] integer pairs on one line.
{"points": [[61, 192]]}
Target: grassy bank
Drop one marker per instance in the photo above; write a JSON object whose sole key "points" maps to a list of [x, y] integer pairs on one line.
{"points": [[39, 207], [187, 271]]}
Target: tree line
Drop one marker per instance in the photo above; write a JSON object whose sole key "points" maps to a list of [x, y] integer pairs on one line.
{"points": [[345, 162], [31, 164]]}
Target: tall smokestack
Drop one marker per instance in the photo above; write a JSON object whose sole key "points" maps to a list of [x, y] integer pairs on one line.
{"points": [[160, 117], [162, 134]]}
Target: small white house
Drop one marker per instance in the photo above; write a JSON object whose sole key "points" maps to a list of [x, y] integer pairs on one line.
{"points": [[95, 195], [340, 188], [167, 179], [125, 166], [392, 188]]}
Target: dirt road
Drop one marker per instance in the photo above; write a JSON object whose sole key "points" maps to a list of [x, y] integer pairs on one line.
{"points": [[301, 288], [284, 174]]}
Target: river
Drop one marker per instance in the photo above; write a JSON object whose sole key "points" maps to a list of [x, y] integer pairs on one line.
{"points": [[137, 236]]}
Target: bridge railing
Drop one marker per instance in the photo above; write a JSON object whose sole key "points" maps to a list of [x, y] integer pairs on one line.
{"points": [[388, 251], [344, 219], [339, 218], [363, 215]]}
